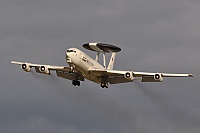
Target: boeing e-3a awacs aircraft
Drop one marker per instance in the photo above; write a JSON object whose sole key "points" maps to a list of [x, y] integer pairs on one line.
{"points": [[82, 66]]}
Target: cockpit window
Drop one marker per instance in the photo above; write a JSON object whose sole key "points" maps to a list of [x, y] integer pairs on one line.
{"points": [[71, 51]]}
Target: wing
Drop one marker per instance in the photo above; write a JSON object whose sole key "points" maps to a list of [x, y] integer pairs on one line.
{"points": [[112, 76], [116, 76], [157, 77], [61, 71], [140, 74]]}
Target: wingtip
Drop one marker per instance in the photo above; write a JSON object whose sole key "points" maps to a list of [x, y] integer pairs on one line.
{"points": [[12, 62], [15, 62], [191, 75]]}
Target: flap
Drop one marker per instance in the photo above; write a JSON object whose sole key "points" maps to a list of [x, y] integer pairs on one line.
{"points": [[73, 76]]}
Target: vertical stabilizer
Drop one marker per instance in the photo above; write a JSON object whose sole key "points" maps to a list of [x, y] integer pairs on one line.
{"points": [[112, 61]]}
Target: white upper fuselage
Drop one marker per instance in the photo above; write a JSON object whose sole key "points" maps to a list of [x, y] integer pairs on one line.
{"points": [[82, 62]]}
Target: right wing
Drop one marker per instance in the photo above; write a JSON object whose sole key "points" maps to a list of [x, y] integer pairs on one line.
{"points": [[61, 71]]}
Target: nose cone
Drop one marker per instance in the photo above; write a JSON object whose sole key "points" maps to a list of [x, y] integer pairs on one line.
{"points": [[66, 54], [68, 59], [71, 55]]}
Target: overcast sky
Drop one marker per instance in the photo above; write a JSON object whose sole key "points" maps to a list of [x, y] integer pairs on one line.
{"points": [[155, 36]]}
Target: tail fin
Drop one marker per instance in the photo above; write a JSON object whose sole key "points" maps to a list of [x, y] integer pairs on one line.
{"points": [[112, 61]]}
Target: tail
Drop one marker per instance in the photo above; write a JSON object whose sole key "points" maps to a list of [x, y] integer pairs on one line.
{"points": [[112, 61]]}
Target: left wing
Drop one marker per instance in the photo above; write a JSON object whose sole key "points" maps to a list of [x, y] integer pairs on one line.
{"points": [[116, 76], [157, 77], [61, 71]]}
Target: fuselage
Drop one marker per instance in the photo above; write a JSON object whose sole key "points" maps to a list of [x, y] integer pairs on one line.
{"points": [[82, 62]]}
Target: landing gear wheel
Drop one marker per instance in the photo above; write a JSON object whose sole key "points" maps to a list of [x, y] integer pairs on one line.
{"points": [[71, 71], [104, 85], [76, 83]]}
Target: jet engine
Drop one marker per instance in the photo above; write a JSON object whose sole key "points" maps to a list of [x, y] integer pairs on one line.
{"points": [[44, 69], [158, 77], [26, 67], [129, 75]]}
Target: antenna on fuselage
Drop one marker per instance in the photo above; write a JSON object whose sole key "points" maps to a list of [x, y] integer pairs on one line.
{"points": [[97, 56], [103, 48], [104, 59]]}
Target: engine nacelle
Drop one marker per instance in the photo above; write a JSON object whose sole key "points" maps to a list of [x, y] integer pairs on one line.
{"points": [[26, 67], [44, 69], [158, 77], [129, 75]]}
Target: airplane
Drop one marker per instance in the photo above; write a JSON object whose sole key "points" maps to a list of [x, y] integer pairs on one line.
{"points": [[81, 67]]}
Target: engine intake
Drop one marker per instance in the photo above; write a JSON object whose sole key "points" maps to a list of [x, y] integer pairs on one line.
{"points": [[158, 77], [26, 67], [44, 69], [129, 75]]}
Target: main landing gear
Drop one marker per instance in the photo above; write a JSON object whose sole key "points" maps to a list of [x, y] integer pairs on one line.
{"points": [[71, 69], [104, 84], [76, 83]]}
